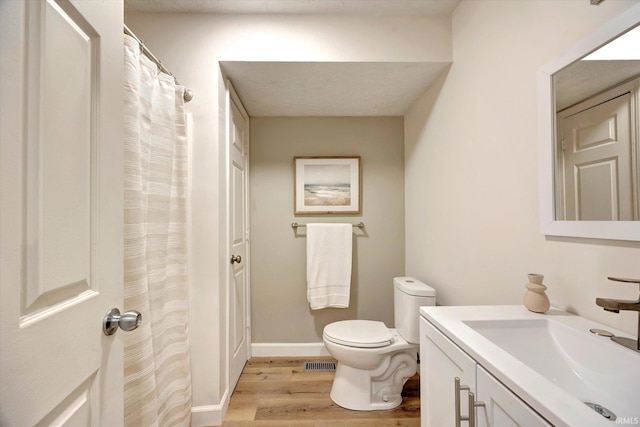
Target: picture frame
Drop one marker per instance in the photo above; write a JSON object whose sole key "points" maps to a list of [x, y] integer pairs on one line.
{"points": [[327, 185]]}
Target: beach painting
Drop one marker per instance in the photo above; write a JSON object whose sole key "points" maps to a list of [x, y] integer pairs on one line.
{"points": [[326, 185]]}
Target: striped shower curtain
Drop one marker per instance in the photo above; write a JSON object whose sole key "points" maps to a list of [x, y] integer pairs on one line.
{"points": [[157, 379]]}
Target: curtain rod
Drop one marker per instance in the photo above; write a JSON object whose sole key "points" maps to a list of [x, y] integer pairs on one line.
{"points": [[188, 94]]}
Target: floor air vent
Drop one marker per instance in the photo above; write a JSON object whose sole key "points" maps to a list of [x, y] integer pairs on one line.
{"points": [[319, 366]]}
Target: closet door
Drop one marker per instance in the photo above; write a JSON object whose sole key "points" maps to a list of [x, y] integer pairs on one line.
{"points": [[238, 181], [61, 212]]}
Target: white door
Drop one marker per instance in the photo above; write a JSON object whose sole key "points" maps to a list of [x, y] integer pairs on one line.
{"points": [[597, 158], [61, 212], [238, 179]]}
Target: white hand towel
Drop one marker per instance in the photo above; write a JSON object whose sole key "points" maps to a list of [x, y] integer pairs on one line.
{"points": [[329, 256]]}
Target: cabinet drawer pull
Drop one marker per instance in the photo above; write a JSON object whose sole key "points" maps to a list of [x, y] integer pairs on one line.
{"points": [[458, 388], [472, 404]]}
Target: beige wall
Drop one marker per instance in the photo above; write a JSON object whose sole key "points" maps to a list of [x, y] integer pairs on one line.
{"points": [[191, 46], [279, 309], [471, 167], [470, 183]]}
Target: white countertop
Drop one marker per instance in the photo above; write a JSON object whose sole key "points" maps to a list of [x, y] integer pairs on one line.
{"points": [[548, 399]]}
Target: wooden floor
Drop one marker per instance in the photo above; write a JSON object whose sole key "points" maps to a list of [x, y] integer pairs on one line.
{"points": [[276, 392]]}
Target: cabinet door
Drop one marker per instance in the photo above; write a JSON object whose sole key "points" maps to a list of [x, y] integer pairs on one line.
{"points": [[441, 361], [502, 407]]}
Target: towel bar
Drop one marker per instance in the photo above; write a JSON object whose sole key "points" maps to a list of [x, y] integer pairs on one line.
{"points": [[296, 225]]}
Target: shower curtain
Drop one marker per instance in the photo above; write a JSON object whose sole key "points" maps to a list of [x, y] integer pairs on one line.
{"points": [[157, 379]]}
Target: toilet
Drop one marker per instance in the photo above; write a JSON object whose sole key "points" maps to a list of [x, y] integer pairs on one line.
{"points": [[374, 361]]}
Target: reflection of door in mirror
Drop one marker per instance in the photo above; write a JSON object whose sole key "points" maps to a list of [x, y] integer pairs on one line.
{"points": [[597, 178]]}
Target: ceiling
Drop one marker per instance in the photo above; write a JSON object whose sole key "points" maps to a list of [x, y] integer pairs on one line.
{"points": [[330, 88], [359, 7], [584, 79], [615, 62], [319, 88]]}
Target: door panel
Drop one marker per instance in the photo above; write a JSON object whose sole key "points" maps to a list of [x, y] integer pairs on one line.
{"points": [[60, 201], [61, 219], [60, 175]]}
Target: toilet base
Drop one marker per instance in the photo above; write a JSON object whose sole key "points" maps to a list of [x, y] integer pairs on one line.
{"points": [[373, 390]]}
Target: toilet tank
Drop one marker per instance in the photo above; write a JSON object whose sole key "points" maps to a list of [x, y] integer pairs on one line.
{"points": [[409, 295]]}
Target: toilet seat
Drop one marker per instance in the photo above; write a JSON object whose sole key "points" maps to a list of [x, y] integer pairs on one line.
{"points": [[359, 333]]}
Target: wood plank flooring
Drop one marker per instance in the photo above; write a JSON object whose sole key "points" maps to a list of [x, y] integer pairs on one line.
{"points": [[276, 392]]}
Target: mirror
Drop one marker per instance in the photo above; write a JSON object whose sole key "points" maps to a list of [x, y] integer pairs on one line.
{"points": [[587, 105], [596, 163]]}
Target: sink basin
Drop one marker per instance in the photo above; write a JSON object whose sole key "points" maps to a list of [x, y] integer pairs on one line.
{"points": [[591, 368]]}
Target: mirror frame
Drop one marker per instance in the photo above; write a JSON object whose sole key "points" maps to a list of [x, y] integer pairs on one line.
{"points": [[615, 230]]}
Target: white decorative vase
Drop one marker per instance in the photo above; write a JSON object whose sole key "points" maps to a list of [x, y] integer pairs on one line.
{"points": [[534, 298]]}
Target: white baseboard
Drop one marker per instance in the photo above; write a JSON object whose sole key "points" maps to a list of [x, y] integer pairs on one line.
{"points": [[288, 349], [209, 415]]}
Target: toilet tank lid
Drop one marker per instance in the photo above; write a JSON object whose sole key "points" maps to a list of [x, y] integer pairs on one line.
{"points": [[414, 287]]}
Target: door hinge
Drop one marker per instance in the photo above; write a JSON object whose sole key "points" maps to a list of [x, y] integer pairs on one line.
{"points": [[564, 145]]}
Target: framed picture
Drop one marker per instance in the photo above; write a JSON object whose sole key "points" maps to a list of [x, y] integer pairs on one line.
{"points": [[326, 185]]}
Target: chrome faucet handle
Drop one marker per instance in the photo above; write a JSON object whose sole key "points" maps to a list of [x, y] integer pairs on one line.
{"points": [[625, 280], [615, 305]]}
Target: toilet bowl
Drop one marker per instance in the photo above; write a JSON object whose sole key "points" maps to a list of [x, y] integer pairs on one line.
{"points": [[375, 361], [369, 375]]}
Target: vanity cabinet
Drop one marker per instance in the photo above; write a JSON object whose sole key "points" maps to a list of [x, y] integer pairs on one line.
{"points": [[441, 362], [501, 407], [448, 376]]}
